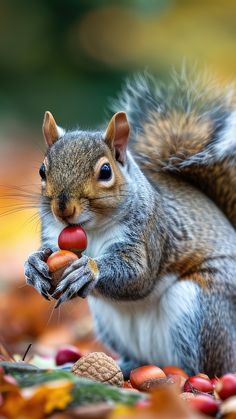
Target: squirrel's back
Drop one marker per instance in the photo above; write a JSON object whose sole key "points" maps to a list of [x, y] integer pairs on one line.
{"points": [[187, 128]]}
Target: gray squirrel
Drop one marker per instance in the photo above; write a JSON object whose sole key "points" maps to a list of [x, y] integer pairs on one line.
{"points": [[156, 194]]}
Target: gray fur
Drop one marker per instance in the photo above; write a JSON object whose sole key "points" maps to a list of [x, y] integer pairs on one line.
{"points": [[144, 96], [37, 272], [205, 164], [166, 254]]}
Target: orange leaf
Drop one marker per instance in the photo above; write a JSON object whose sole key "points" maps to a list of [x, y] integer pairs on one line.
{"points": [[164, 404], [54, 395], [41, 400]]}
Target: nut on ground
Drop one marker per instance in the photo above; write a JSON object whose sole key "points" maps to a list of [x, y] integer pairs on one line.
{"points": [[99, 367]]}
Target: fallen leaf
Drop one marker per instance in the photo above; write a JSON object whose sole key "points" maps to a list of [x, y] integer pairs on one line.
{"points": [[5, 354], [164, 404], [228, 408], [55, 395], [95, 411], [42, 399]]}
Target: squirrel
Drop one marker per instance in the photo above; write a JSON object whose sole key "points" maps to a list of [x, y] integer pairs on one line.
{"points": [[155, 192]]}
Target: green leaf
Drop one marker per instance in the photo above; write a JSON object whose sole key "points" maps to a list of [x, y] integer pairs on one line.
{"points": [[85, 391]]}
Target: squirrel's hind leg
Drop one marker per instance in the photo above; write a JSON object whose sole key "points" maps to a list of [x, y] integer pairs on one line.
{"points": [[205, 339]]}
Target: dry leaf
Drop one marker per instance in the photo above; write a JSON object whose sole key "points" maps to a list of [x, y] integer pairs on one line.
{"points": [[5, 354], [42, 399], [228, 408], [53, 395], [165, 404], [95, 411]]}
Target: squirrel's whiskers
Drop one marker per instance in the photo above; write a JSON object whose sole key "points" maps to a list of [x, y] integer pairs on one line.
{"points": [[160, 220]]}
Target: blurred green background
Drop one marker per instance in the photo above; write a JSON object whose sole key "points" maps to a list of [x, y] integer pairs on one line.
{"points": [[71, 56]]}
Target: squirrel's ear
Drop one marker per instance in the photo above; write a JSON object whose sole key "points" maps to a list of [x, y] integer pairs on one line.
{"points": [[51, 131], [117, 134]]}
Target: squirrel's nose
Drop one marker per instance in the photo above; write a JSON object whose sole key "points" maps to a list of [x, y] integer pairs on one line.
{"points": [[63, 200], [66, 213], [63, 208]]}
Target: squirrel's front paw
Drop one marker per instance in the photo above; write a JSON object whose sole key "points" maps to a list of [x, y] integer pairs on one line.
{"points": [[37, 272], [78, 279]]}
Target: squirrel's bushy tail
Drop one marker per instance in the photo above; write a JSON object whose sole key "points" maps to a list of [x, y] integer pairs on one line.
{"points": [[187, 127]]}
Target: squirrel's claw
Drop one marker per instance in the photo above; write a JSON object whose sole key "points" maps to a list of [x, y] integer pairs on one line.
{"points": [[80, 287], [37, 272], [40, 285], [37, 260], [79, 279]]}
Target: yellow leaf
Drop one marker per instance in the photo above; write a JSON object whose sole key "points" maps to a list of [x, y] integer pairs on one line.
{"points": [[41, 400], [55, 395]]}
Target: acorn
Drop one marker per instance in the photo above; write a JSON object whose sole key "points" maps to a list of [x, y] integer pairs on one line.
{"points": [[202, 375], [198, 384], [205, 404], [176, 374], [72, 241], [214, 381], [57, 263], [226, 386], [173, 370], [177, 379], [147, 374]]}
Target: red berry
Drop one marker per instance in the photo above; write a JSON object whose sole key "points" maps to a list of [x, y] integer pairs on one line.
{"points": [[67, 354], [199, 384], [205, 404], [200, 374], [214, 381], [73, 238], [226, 386], [148, 372]]}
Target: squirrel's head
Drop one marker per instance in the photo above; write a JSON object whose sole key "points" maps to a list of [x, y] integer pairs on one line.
{"points": [[83, 171]]}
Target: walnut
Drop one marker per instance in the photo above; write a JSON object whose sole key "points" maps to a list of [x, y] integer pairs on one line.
{"points": [[99, 367]]}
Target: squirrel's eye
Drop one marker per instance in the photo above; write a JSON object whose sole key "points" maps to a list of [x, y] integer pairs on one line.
{"points": [[42, 171], [105, 172]]}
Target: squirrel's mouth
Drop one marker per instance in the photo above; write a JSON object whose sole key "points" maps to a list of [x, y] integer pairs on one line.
{"points": [[82, 219], [80, 222]]}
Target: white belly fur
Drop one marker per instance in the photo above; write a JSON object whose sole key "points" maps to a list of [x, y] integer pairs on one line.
{"points": [[101, 239], [143, 327]]}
